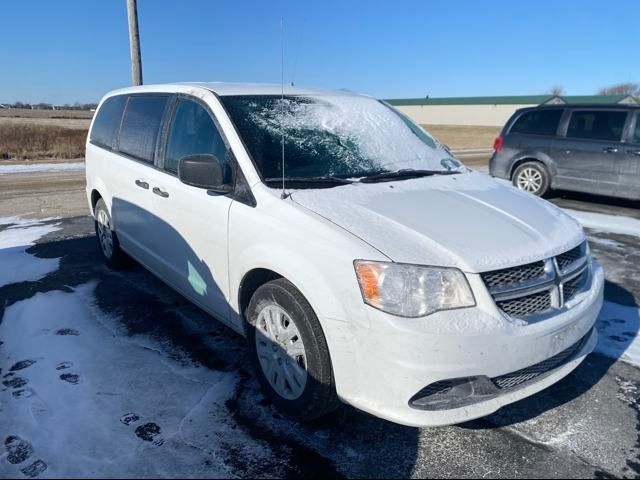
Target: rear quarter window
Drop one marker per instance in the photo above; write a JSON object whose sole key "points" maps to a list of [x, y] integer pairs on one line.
{"points": [[597, 125], [141, 126], [538, 122], [107, 122]]}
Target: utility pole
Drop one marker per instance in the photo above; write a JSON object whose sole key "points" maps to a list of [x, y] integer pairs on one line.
{"points": [[134, 42]]}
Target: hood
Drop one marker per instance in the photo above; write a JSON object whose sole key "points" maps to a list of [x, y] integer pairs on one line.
{"points": [[469, 221]]}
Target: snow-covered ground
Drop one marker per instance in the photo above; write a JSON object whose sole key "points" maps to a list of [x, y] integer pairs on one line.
{"points": [[74, 381], [607, 223], [77, 383], [41, 167], [16, 264], [618, 325]]}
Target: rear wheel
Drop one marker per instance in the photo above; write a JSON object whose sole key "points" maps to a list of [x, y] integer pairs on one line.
{"points": [[532, 177], [289, 352], [107, 238]]}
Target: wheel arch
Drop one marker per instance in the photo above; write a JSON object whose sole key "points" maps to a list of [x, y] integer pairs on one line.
{"points": [[251, 281], [95, 196], [525, 157]]}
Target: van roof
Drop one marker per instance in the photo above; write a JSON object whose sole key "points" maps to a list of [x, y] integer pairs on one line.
{"points": [[582, 106], [228, 89]]}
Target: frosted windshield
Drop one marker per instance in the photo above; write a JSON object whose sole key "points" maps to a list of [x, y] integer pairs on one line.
{"points": [[343, 136]]}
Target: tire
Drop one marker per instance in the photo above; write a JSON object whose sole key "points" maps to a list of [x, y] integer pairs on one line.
{"points": [[298, 330], [108, 243], [532, 177]]}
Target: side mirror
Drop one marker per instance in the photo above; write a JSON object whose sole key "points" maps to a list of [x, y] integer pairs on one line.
{"points": [[204, 171]]}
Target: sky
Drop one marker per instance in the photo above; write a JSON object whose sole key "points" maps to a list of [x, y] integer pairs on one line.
{"points": [[65, 51]]}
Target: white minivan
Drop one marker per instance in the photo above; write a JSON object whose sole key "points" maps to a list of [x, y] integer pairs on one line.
{"points": [[363, 262]]}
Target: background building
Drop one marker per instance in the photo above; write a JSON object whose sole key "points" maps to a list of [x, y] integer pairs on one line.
{"points": [[488, 111]]}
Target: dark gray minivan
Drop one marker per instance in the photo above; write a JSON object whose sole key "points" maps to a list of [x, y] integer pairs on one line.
{"points": [[587, 148]]}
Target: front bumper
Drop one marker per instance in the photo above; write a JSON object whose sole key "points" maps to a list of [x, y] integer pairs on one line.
{"points": [[394, 359]]}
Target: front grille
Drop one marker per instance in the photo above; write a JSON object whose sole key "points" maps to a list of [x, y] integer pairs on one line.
{"points": [[529, 305], [567, 259], [513, 276], [515, 379], [538, 287], [572, 287]]}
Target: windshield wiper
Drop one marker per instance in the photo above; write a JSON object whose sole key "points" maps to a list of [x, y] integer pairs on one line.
{"points": [[404, 174], [327, 180]]}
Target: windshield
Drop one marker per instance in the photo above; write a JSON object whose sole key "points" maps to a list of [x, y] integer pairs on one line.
{"points": [[332, 136]]}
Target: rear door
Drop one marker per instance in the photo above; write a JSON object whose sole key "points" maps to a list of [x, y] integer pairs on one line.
{"points": [[190, 236], [630, 168], [589, 150], [132, 171]]}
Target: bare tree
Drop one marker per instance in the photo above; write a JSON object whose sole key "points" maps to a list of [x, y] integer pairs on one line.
{"points": [[629, 88], [556, 90]]}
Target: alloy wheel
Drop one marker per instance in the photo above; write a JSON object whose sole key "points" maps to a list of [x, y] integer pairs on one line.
{"points": [[530, 180]]}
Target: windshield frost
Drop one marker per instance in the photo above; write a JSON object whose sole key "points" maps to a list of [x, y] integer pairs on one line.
{"points": [[344, 136]]}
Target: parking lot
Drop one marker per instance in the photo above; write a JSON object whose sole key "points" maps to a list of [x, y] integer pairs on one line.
{"points": [[113, 374]]}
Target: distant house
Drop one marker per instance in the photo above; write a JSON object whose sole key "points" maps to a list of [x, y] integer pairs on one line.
{"points": [[489, 111], [4, 106]]}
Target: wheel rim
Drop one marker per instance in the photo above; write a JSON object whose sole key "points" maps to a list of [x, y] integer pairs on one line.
{"points": [[104, 233], [281, 352], [530, 180]]}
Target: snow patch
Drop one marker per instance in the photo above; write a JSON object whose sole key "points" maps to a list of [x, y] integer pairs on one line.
{"points": [[96, 403], [606, 242], [17, 264], [41, 167], [618, 327], [607, 223]]}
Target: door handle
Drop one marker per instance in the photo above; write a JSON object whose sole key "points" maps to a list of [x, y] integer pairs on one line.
{"points": [[610, 150], [160, 192], [634, 152], [142, 184]]}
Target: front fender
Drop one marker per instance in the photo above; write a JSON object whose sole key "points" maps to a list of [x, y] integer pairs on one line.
{"points": [[328, 290]]}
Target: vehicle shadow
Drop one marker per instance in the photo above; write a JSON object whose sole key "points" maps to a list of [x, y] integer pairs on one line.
{"points": [[618, 302], [594, 200]]}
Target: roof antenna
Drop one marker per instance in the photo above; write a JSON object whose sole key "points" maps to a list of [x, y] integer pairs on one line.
{"points": [[284, 193]]}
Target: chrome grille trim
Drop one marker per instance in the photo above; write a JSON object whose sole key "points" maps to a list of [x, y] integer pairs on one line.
{"points": [[508, 277], [540, 286], [528, 305], [572, 260]]}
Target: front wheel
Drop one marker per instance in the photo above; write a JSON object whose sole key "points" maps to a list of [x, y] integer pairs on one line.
{"points": [[289, 352], [532, 177]]}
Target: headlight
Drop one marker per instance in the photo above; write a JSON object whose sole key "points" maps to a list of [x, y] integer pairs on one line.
{"points": [[412, 290]]}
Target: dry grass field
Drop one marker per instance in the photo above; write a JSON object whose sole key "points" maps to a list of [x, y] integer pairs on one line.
{"points": [[30, 142], [27, 134], [462, 136], [28, 113]]}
